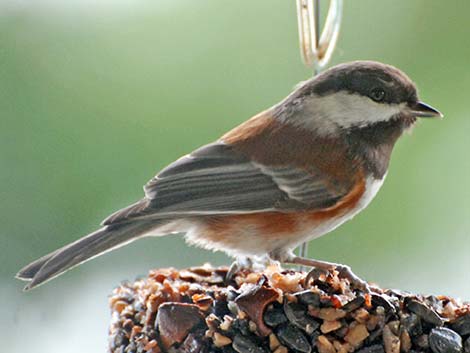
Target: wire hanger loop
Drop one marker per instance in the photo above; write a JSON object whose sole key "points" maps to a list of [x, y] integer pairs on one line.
{"points": [[316, 48]]}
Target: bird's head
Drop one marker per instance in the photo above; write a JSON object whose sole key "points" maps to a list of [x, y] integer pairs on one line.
{"points": [[355, 95]]}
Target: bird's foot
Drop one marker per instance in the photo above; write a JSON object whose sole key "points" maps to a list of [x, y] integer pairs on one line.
{"points": [[356, 282], [232, 270], [322, 267], [239, 264], [255, 263]]}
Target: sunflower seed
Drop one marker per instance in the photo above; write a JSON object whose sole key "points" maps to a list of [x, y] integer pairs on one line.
{"points": [[424, 312], [274, 317], [462, 325], [297, 315], [293, 338], [444, 340], [242, 344]]}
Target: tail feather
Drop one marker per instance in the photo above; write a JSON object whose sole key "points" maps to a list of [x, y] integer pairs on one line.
{"points": [[84, 249], [27, 273]]}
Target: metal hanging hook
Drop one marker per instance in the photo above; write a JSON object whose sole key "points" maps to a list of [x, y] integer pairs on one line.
{"points": [[316, 49]]}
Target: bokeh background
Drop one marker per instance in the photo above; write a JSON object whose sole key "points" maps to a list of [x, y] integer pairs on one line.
{"points": [[97, 96]]}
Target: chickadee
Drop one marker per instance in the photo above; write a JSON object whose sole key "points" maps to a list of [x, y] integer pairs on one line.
{"points": [[290, 174]]}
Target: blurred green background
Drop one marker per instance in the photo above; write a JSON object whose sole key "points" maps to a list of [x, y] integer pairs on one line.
{"points": [[97, 96]]}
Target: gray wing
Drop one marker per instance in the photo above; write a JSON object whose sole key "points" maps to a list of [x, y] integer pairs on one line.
{"points": [[216, 180]]}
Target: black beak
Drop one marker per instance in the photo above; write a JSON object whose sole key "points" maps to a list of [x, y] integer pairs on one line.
{"points": [[424, 110]]}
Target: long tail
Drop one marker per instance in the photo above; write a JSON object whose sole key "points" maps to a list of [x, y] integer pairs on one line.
{"points": [[103, 240]]}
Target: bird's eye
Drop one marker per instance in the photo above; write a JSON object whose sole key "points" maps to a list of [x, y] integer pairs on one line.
{"points": [[377, 94]]}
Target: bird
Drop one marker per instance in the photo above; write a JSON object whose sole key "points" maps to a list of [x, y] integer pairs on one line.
{"points": [[292, 173]]}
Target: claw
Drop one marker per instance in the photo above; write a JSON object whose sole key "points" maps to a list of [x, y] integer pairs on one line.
{"points": [[314, 274], [343, 271], [356, 282], [233, 269], [239, 264]]}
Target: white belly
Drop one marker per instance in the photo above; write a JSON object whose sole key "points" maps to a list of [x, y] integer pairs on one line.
{"points": [[246, 240]]}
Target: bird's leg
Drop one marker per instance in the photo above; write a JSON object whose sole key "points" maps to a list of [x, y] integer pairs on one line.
{"points": [[344, 271], [254, 263], [237, 265]]}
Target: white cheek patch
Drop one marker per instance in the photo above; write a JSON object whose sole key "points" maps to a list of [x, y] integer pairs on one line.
{"points": [[327, 113]]}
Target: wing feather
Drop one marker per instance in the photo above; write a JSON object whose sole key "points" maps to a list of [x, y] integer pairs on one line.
{"points": [[216, 180]]}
